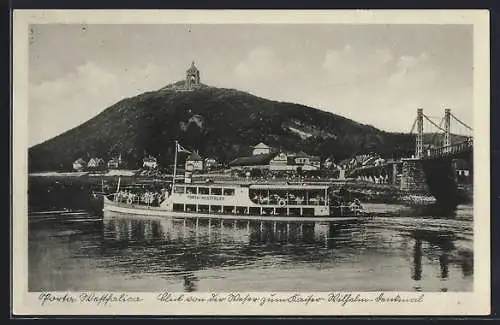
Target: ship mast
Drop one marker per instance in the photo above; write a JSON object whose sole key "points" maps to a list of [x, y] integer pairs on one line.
{"points": [[175, 165]]}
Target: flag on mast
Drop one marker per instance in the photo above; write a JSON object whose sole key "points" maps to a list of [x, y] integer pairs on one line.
{"points": [[181, 149]]}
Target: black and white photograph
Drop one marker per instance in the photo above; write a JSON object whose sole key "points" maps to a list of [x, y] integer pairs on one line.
{"points": [[220, 157]]}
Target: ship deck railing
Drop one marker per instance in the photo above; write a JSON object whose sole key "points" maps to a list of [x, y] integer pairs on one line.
{"points": [[340, 210]]}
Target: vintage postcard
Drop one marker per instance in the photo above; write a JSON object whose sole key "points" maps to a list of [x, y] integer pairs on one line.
{"points": [[197, 162]]}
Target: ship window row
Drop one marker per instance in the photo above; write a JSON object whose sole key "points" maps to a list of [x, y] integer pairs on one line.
{"points": [[292, 197], [242, 210], [204, 190]]}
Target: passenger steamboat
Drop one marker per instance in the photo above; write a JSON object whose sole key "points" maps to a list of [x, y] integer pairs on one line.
{"points": [[235, 201]]}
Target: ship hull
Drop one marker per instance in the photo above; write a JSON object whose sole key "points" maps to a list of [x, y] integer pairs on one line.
{"points": [[159, 212]]}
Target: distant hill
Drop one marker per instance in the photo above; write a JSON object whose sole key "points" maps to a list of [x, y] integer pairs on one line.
{"points": [[218, 122]]}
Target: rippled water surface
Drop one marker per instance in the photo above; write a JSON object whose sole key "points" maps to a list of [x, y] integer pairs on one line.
{"points": [[400, 248]]}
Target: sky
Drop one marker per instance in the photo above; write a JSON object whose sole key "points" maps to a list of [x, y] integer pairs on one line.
{"points": [[373, 74]]}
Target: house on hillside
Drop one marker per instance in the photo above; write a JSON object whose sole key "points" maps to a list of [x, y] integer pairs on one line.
{"points": [[315, 162], [329, 163], [260, 161], [194, 160], [279, 162], [115, 163], [305, 161], [96, 163], [261, 149], [210, 163], [150, 162], [301, 158], [79, 164]]}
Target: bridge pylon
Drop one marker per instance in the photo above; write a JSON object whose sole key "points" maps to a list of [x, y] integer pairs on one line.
{"points": [[419, 151], [447, 123]]}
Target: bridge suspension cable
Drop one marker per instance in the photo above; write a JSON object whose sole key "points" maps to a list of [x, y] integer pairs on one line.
{"points": [[432, 122], [413, 126], [433, 140], [459, 121], [459, 131], [434, 117]]}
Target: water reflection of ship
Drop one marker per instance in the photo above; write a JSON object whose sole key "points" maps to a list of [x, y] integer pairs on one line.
{"points": [[129, 228], [447, 254], [132, 229], [177, 249]]}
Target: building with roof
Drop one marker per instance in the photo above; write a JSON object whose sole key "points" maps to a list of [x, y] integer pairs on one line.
{"points": [[195, 161], [150, 162], [115, 163], [463, 171], [210, 163], [301, 158], [315, 161], [277, 161], [304, 161], [329, 163], [261, 149], [95, 163], [79, 164], [260, 161]]}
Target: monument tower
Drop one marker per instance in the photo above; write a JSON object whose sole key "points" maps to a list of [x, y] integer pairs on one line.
{"points": [[192, 77]]}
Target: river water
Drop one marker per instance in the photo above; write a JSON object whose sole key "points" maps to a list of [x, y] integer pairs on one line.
{"points": [[399, 248]]}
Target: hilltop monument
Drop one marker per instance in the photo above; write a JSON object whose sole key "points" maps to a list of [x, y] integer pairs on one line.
{"points": [[192, 77]]}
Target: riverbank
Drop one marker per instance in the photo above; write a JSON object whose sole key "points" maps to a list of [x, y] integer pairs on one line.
{"points": [[385, 193]]}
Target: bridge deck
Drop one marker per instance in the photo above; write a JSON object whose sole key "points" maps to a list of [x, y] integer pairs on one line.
{"points": [[451, 150]]}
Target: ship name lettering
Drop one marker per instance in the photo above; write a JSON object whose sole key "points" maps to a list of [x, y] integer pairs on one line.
{"points": [[205, 197]]}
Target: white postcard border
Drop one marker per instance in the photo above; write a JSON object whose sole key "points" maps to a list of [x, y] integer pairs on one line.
{"points": [[474, 303]]}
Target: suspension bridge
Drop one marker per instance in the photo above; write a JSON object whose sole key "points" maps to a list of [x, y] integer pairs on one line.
{"points": [[448, 147], [438, 141]]}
